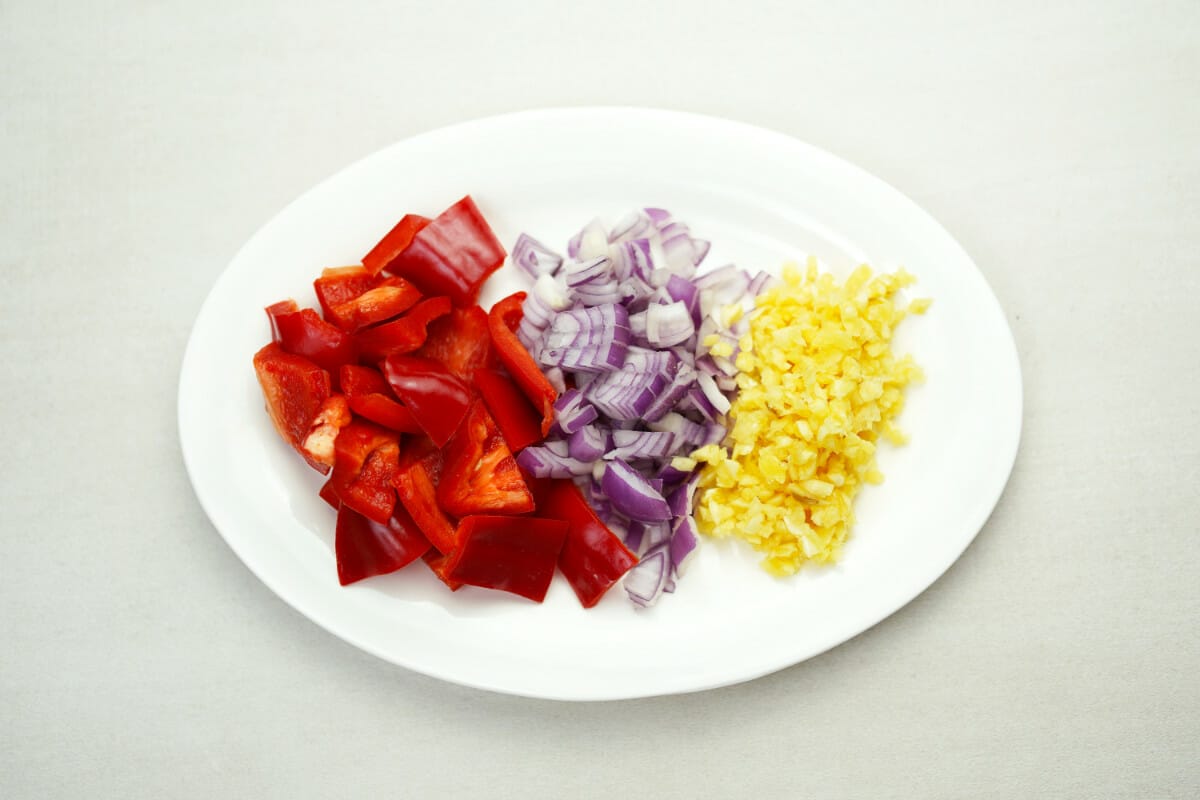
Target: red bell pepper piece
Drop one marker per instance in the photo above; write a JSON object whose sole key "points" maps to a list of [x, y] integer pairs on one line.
{"points": [[437, 564], [303, 409], [338, 285], [437, 399], [329, 495], [395, 243], [391, 298], [366, 548], [371, 397], [453, 255], [304, 333], [480, 475], [416, 482], [460, 340], [503, 320], [404, 334], [593, 558], [513, 554], [275, 309], [364, 468], [516, 418]]}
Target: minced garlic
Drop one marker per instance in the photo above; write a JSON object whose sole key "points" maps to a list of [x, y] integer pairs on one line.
{"points": [[817, 388]]}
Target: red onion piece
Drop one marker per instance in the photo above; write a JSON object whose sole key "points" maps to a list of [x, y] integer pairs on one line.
{"points": [[631, 494], [534, 257]]}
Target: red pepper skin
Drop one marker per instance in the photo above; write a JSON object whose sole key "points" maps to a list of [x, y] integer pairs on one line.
{"points": [[371, 397], [437, 565], [460, 341], [395, 243], [453, 255], [593, 558], [503, 320], [416, 482], [329, 495], [304, 411], [510, 408], [366, 548], [338, 285], [390, 298], [364, 468], [274, 310], [304, 333], [513, 554], [402, 335], [480, 475], [437, 399]]}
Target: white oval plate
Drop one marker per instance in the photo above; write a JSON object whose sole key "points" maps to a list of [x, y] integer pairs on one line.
{"points": [[762, 198]]}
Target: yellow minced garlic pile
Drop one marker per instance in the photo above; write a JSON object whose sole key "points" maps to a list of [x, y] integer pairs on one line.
{"points": [[818, 386]]}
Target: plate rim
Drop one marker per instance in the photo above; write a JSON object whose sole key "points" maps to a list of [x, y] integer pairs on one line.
{"points": [[314, 611]]}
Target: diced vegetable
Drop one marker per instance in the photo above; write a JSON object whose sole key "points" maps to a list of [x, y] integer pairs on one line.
{"points": [[452, 256], [366, 548], [479, 474], [437, 399], [513, 554], [518, 421]]}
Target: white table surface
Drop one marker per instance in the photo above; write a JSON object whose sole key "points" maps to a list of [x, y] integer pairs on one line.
{"points": [[142, 143]]}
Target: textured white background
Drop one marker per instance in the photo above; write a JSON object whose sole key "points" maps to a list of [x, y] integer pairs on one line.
{"points": [[142, 143]]}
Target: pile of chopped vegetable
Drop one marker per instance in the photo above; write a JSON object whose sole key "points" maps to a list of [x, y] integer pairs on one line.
{"points": [[414, 399], [577, 426], [642, 349], [818, 387]]}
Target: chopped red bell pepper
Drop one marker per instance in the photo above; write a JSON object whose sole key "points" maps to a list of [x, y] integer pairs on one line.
{"points": [[366, 548], [301, 405], [416, 482], [460, 340], [275, 309], [503, 320], [453, 255], [513, 554], [402, 335], [329, 495], [395, 243], [516, 418], [480, 475], [304, 333], [391, 298], [371, 397], [593, 558], [437, 565], [437, 399], [338, 285], [364, 468]]}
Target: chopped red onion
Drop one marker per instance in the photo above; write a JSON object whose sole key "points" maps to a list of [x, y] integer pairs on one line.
{"points": [[668, 324], [684, 540], [549, 292], [590, 242], [684, 430], [543, 463], [572, 412], [624, 322], [631, 494], [758, 283], [719, 401], [534, 257], [630, 226], [633, 535], [631, 445], [589, 443], [644, 583], [594, 270]]}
